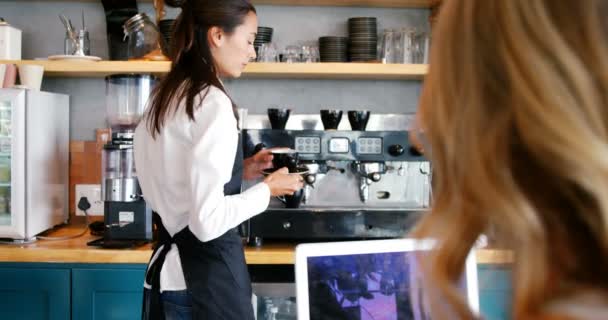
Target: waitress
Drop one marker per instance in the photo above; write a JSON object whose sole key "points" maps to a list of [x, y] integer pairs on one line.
{"points": [[190, 164]]}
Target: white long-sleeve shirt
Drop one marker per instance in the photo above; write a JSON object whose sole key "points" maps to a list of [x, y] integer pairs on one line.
{"points": [[182, 173]]}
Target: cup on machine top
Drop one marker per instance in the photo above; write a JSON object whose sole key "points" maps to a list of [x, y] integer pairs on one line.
{"points": [[358, 119], [331, 119], [278, 118]]}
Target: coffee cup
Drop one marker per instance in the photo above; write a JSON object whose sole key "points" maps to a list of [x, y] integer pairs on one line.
{"points": [[10, 76], [30, 76], [331, 119], [2, 74], [285, 157], [278, 118], [358, 119], [292, 201]]}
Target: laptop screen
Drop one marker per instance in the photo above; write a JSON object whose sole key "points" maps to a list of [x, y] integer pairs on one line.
{"points": [[382, 282]]}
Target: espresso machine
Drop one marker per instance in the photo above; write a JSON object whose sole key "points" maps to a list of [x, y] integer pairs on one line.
{"points": [[127, 217], [361, 181]]}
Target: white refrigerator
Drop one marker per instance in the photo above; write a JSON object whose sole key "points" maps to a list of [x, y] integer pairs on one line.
{"points": [[34, 162]]}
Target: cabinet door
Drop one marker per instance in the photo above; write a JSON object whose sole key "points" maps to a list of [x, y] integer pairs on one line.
{"points": [[107, 293], [27, 293], [494, 292]]}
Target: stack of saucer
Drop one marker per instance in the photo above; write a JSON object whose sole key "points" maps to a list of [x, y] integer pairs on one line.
{"points": [[166, 30], [362, 38], [333, 49]]}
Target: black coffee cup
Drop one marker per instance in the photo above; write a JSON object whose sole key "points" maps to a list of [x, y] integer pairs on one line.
{"points": [[285, 157], [293, 201], [331, 119], [358, 119], [278, 118]]}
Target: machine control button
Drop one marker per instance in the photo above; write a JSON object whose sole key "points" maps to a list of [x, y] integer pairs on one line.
{"points": [[396, 150], [310, 179], [369, 145], [375, 177], [286, 225], [308, 144], [339, 145]]}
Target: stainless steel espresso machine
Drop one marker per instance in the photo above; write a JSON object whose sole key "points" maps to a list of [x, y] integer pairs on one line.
{"points": [[127, 217], [360, 184]]}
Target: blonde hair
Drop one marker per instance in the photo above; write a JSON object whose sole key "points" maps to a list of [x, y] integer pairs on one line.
{"points": [[515, 110]]}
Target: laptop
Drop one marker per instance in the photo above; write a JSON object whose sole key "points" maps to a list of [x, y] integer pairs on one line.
{"points": [[375, 279]]}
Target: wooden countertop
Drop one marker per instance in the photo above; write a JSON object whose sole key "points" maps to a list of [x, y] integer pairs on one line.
{"points": [[77, 251]]}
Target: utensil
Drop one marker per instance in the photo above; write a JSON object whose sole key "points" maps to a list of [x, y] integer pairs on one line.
{"points": [[68, 25], [71, 25], [84, 27]]}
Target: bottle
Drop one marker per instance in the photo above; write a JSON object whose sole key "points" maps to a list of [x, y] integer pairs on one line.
{"points": [[273, 313]]}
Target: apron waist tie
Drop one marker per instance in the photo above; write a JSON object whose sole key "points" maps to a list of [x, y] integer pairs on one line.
{"points": [[152, 308]]}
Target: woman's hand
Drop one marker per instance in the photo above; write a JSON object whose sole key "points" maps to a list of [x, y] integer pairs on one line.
{"points": [[416, 132], [281, 182], [253, 166]]}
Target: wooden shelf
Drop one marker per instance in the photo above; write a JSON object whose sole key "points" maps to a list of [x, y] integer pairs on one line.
{"points": [[373, 71], [82, 69], [351, 3], [336, 71], [338, 3]]}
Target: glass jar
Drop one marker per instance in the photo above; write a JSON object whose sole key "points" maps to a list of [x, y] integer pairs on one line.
{"points": [[144, 40], [387, 51], [82, 45]]}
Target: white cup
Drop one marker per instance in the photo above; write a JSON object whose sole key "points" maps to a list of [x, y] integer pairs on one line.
{"points": [[31, 76], [2, 73]]}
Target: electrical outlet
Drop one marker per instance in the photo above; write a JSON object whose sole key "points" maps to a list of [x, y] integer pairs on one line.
{"points": [[93, 194]]}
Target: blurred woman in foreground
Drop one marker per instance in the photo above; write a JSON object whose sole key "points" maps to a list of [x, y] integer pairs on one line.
{"points": [[515, 121]]}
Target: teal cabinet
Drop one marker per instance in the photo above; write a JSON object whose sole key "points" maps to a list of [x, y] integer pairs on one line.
{"points": [[99, 294], [59, 291], [34, 293], [56, 291], [494, 291]]}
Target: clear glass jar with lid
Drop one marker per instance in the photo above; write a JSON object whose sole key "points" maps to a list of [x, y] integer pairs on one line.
{"points": [[144, 40]]}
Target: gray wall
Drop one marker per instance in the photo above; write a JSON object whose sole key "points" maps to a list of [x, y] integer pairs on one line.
{"points": [[43, 35]]}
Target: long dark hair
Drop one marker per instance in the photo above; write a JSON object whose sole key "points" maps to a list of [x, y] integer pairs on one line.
{"points": [[193, 67]]}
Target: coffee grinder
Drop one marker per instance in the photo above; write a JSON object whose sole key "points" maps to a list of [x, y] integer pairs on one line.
{"points": [[127, 217]]}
